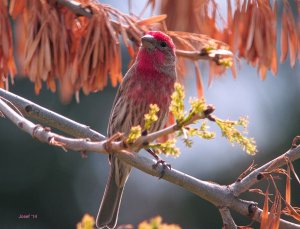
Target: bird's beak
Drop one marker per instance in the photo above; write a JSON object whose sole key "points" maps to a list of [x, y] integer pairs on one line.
{"points": [[148, 42]]}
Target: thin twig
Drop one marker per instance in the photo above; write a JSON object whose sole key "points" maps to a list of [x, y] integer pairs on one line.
{"points": [[218, 56], [207, 113], [203, 55]]}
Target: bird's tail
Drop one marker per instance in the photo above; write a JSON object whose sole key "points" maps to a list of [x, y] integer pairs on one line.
{"points": [[110, 205]]}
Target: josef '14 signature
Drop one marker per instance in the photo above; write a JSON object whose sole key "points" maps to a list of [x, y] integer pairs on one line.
{"points": [[28, 216]]}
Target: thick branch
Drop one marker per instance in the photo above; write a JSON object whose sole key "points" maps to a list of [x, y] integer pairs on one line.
{"points": [[50, 118], [220, 196], [44, 134]]}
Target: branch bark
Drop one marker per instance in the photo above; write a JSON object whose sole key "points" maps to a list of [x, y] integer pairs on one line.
{"points": [[228, 222], [220, 195], [255, 176], [45, 135], [50, 118]]}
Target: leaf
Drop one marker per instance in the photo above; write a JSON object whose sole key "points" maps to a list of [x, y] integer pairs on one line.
{"points": [[262, 71], [51, 84], [199, 81], [288, 186], [37, 86], [265, 212], [130, 51], [168, 147], [177, 103], [251, 30], [291, 211], [292, 38], [229, 130], [134, 134], [284, 37], [275, 212], [151, 116], [212, 67], [293, 170], [156, 223], [280, 171], [257, 190], [274, 63], [16, 7], [151, 20]]}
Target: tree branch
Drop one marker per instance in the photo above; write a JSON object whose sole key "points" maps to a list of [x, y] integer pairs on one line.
{"points": [[46, 136], [219, 195], [228, 222], [255, 176], [50, 118]]}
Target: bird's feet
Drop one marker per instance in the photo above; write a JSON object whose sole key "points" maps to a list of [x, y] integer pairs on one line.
{"points": [[164, 165], [159, 161]]}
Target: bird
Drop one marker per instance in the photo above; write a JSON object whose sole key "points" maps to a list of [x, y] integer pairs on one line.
{"points": [[150, 80]]}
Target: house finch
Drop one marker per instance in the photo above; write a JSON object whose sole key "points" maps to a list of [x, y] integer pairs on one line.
{"points": [[150, 80]]}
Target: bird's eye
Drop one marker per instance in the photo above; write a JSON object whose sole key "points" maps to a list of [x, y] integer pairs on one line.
{"points": [[163, 44]]}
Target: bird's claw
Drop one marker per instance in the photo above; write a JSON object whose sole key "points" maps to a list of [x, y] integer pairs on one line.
{"points": [[164, 167], [159, 161]]}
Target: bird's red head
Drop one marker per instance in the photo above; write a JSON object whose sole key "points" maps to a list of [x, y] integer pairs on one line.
{"points": [[157, 52], [162, 37]]}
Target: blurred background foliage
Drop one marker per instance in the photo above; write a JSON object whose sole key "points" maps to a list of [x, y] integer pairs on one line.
{"points": [[60, 187]]}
